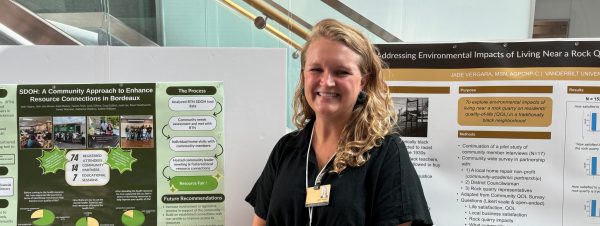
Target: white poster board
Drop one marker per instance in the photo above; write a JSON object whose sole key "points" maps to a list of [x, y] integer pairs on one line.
{"points": [[254, 97]]}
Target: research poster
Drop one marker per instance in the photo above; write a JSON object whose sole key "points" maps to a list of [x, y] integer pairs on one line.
{"points": [[112, 154], [502, 133]]}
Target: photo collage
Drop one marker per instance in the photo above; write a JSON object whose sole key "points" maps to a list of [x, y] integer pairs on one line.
{"points": [[80, 132]]}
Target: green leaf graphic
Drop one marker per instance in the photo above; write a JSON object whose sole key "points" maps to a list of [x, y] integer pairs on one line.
{"points": [[120, 159], [52, 161]]}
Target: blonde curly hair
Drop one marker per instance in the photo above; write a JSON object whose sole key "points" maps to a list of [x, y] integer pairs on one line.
{"points": [[371, 121]]}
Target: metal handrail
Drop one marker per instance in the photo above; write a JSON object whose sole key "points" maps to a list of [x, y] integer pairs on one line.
{"points": [[277, 17], [268, 27]]}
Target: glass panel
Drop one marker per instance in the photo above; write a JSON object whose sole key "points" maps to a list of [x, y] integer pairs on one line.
{"points": [[100, 22], [137, 14]]}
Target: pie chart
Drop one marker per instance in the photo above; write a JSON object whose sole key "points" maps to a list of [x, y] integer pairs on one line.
{"points": [[42, 217], [133, 218], [87, 221]]}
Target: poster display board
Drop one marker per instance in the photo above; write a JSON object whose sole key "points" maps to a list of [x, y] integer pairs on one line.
{"points": [[251, 76], [112, 154], [502, 133]]}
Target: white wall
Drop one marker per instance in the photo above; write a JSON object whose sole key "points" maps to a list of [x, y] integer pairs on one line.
{"points": [[583, 15], [584, 19], [450, 20], [552, 9]]}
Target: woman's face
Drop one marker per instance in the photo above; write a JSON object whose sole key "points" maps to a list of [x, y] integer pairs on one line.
{"points": [[332, 78]]}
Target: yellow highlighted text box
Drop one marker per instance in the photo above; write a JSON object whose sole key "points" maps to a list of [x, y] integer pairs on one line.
{"points": [[505, 111]]}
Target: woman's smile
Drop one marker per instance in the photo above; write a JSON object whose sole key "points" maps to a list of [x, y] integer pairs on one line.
{"points": [[328, 94]]}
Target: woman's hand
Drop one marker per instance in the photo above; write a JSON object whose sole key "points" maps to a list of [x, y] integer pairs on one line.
{"points": [[257, 221]]}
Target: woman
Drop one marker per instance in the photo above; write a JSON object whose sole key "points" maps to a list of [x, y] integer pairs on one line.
{"points": [[344, 166]]}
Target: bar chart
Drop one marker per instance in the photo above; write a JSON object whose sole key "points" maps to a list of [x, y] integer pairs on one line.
{"points": [[594, 166], [592, 208], [594, 121], [591, 166], [591, 125]]}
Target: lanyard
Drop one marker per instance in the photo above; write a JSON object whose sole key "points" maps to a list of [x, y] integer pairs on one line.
{"points": [[319, 176]]}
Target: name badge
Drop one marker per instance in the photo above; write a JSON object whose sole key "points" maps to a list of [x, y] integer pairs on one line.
{"points": [[318, 196]]}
